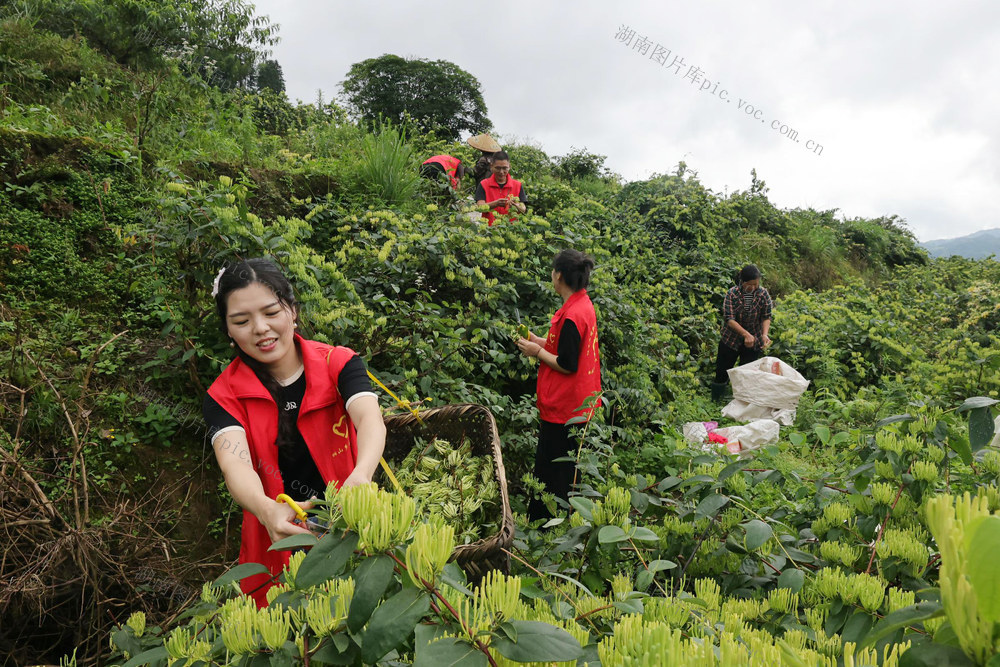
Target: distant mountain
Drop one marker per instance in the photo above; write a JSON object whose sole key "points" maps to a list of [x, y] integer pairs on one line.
{"points": [[974, 246]]}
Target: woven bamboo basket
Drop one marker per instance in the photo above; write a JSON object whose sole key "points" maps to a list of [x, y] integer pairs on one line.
{"points": [[456, 423]]}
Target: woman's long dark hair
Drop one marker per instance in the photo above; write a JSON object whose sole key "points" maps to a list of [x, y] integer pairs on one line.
{"points": [[575, 268], [263, 272]]}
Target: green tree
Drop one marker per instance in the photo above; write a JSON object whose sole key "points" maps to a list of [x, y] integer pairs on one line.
{"points": [[222, 39], [270, 77], [579, 163], [438, 95]]}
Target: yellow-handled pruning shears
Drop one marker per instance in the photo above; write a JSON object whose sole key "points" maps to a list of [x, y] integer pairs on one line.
{"points": [[299, 512]]}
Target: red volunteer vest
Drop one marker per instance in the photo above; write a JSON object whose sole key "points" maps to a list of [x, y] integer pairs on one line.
{"points": [[496, 191], [450, 165], [560, 395], [323, 422]]}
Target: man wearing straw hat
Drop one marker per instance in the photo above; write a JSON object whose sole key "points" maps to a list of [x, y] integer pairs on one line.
{"points": [[501, 191], [489, 146]]}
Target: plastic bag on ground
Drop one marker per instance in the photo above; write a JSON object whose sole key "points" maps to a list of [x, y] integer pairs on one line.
{"points": [[695, 432], [753, 435], [765, 389]]}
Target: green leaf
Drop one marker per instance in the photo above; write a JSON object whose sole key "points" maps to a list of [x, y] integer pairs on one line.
{"points": [[644, 535], [659, 565], [934, 655], [239, 573], [823, 433], [371, 579], [393, 623], [537, 642], [758, 533], [980, 428], [147, 657], [711, 504], [611, 534], [960, 445], [449, 652], [338, 649], [977, 402], [294, 542], [584, 506], [902, 618], [893, 419], [982, 543], [857, 627], [326, 560], [793, 579], [796, 439]]}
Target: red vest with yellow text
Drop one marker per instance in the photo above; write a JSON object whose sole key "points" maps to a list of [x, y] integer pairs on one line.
{"points": [[450, 165], [496, 191], [323, 422], [559, 395]]}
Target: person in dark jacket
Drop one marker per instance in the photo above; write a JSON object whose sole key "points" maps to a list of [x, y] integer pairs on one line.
{"points": [[746, 323]]}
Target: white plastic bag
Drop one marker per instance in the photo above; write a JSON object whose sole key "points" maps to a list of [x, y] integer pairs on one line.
{"points": [[753, 435], [695, 432], [760, 392]]}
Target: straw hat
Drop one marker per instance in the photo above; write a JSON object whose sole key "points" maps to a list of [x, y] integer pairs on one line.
{"points": [[485, 143]]}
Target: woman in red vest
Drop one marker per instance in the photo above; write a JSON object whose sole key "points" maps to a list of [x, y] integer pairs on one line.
{"points": [[450, 166], [569, 373], [288, 415]]}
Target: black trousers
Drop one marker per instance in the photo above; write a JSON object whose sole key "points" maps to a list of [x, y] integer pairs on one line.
{"points": [[727, 359], [554, 441]]}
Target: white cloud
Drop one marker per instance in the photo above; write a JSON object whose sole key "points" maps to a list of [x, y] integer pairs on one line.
{"points": [[902, 96]]}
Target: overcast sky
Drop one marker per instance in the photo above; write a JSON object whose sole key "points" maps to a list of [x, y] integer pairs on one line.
{"points": [[902, 97]]}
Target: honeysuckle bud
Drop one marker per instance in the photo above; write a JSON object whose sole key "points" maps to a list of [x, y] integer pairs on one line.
{"points": [[870, 591], [898, 598], [376, 531], [795, 638], [178, 644], [199, 651], [274, 591], [924, 471], [586, 606], [225, 181], [671, 611], [499, 595], [621, 585], [179, 188], [137, 623], [885, 470], [884, 494], [294, 561], [273, 625], [783, 600], [888, 442], [429, 551], [708, 591], [357, 503], [933, 453], [239, 628], [320, 614], [948, 519], [209, 593], [905, 546], [737, 484], [838, 552], [991, 462], [816, 616]]}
